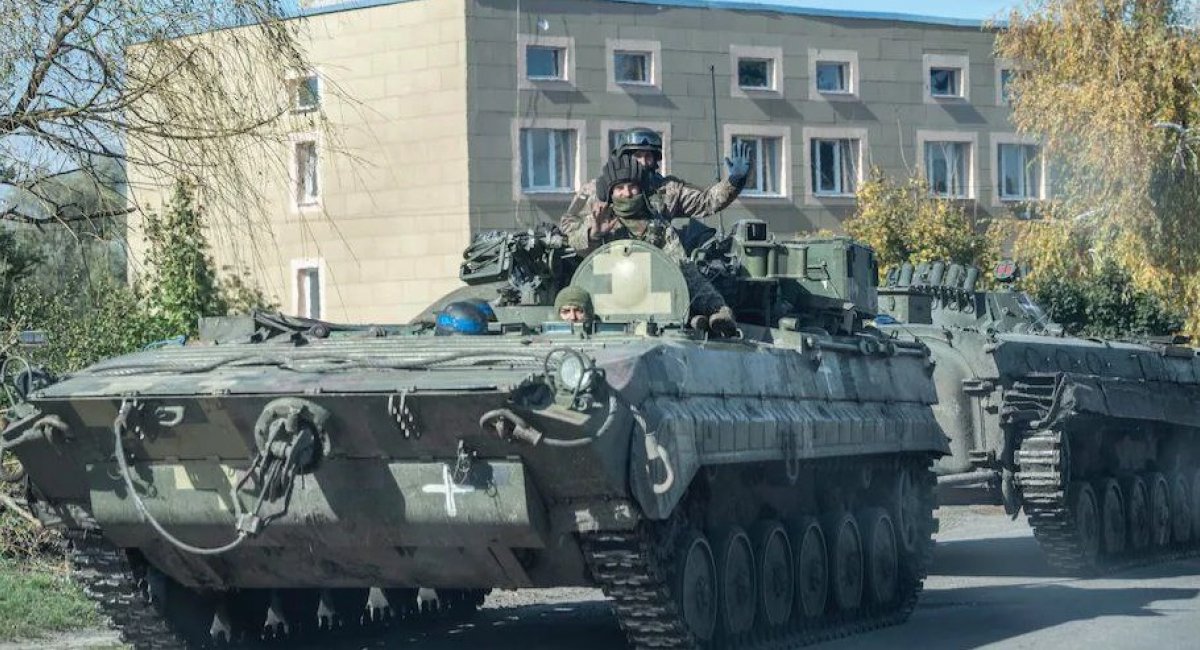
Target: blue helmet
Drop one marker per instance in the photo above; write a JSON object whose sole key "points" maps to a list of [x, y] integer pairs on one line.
{"points": [[461, 318], [485, 307]]}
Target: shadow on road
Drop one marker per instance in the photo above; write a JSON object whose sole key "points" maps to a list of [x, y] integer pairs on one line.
{"points": [[1021, 557]]}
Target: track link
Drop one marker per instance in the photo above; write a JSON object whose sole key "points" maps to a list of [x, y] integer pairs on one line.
{"points": [[634, 570]]}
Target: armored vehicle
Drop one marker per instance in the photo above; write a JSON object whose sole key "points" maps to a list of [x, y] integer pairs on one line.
{"points": [[1096, 440], [285, 475]]}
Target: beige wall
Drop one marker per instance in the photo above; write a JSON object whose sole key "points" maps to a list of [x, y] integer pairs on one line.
{"points": [[392, 223]]}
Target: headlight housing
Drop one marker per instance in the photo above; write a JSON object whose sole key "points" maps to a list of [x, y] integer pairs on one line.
{"points": [[575, 372]]}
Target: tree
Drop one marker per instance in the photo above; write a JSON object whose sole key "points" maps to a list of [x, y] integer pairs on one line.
{"points": [[84, 82], [903, 222], [1110, 88]]}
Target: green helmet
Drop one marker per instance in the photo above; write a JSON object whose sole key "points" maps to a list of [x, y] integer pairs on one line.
{"points": [[638, 139]]}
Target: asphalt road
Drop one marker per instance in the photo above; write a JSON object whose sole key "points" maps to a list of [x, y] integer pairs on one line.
{"points": [[990, 588]]}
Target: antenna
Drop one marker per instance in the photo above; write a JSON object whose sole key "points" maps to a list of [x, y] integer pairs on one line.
{"points": [[712, 75]]}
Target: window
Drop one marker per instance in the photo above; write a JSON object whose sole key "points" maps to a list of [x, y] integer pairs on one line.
{"points": [[1020, 171], [833, 77], [947, 77], [834, 166], [756, 71], [944, 82], [306, 93], [764, 175], [1006, 75], [307, 295], [632, 67], [545, 62], [946, 165], [306, 164], [547, 160]]}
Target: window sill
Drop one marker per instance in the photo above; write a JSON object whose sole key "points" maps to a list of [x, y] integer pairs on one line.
{"points": [[634, 88], [305, 110], [547, 83], [300, 208], [553, 194], [837, 95], [947, 99], [764, 199], [830, 199]]}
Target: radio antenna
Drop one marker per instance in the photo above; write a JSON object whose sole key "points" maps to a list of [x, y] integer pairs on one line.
{"points": [[712, 75]]}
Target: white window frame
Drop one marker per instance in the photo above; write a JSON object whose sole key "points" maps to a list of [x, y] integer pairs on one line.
{"points": [[294, 180], [303, 264], [784, 133], [971, 139], [810, 133], [849, 58], [997, 139], [653, 49], [608, 126], [773, 54], [580, 166], [960, 61], [297, 77], [1000, 67], [564, 43]]}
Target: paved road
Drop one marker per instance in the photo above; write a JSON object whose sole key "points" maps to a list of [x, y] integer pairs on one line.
{"points": [[990, 589]]}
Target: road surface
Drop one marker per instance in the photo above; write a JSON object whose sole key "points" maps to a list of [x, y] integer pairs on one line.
{"points": [[990, 589]]}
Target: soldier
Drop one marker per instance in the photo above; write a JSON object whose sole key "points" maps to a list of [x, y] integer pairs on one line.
{"points": [[669, 196], [574, 304], [630, 215]]}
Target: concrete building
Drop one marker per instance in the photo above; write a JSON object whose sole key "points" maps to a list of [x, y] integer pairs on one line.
{"points": [[485, 114]]}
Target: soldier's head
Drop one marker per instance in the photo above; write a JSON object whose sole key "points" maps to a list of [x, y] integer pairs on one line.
{"points": [[644, 145], [623, 186], [574, 304]]}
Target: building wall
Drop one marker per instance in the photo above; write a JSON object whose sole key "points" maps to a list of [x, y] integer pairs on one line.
{"points": [[891, 108], [392, 221]]}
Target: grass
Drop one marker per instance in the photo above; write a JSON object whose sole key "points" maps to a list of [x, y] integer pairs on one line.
{"points": [[37, 598]]}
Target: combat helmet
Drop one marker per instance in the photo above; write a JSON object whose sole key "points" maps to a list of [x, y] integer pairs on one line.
{"points": [[638, 138]]}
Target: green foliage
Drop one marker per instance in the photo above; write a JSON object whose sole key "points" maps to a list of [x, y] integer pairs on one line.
{"points": [[17, 263], [1105, 303], [38, 598], [903, 222]]}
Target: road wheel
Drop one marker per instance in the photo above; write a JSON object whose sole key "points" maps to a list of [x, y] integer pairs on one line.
{"points": [[882, 561], [846, 562], [1181, 509], [1137, 513], [696, 585], [812, 570], [1112, 517], [1160, 509], [776, 573], [907, 511], [1086, 518], [735, 582]]}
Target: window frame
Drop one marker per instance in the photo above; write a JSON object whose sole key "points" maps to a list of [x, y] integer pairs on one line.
{"points": [[961, 62], [996, 141], [969, 138], [780, 132], [774, 55], [294, 82], [1002, 66], [653, 50], [294, 172], [811, 134], [579, 165], [564, 43], [310, 264], [848, 58], [607, 127]]}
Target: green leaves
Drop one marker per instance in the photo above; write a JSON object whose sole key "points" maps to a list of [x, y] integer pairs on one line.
{"points": [[1106, 304]]}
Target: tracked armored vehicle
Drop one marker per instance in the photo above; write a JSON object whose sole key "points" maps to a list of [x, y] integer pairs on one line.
{"points": [[1097, 441], [283, 476]]}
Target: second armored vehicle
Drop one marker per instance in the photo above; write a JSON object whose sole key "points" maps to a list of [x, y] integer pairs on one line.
{"points": [[1098, 441]]}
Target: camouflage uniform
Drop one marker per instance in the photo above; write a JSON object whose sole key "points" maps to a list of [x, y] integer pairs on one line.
{"points": [[659, 232], [669, 196]]}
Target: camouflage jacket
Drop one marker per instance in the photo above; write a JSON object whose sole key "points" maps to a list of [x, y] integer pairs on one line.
{"points": [[659, 232], [671, 197]]}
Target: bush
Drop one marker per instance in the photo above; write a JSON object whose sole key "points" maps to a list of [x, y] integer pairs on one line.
{"points": [[1106, 304]]}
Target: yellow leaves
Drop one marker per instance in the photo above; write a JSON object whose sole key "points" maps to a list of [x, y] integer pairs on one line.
{"points": [[903, 223]]}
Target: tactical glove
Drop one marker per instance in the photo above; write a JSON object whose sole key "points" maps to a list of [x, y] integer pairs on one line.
{"points": [[721, 323], [738, 164]]}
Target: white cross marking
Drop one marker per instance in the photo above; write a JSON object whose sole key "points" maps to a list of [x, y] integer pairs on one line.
{"points": [[448, 488]]}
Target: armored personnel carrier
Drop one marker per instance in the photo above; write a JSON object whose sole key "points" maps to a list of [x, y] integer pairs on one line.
{"points": [[283, 475], [1098, 441]]}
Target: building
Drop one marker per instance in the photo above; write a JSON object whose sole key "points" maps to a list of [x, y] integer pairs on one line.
{"points": [[474, 115]]}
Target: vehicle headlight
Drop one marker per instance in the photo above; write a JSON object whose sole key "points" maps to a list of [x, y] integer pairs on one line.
{"points": [[571, 373]]}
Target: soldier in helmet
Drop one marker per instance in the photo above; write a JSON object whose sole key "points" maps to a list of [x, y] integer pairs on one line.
{"points": [[671, 197], [631, 215]]}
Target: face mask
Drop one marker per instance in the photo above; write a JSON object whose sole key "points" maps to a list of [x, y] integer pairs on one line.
{"points": [[631, 208]]}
